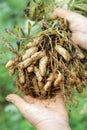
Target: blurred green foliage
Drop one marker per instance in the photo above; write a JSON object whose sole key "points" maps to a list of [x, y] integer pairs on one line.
{"points": [[11, 14]]}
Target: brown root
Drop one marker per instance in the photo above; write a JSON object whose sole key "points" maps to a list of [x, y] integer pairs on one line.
{"points": [[50, 64]]}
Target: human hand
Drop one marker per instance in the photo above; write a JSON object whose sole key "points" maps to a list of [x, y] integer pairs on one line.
{"points": [[43, 114], [77, 24]]}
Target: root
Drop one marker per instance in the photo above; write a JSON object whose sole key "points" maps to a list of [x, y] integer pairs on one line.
{"points": [[49, 64]]}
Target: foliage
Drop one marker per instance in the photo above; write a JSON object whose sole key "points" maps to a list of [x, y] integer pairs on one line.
{"points": [[11, 13], [9, 120]]}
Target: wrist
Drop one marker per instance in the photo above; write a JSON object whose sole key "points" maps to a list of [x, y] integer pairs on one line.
{"points": [[53, 125]]}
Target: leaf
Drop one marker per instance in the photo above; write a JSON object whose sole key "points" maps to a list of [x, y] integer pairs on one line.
{"points": [[35, 30], [19, 32], [11, 33], [29, 28]]}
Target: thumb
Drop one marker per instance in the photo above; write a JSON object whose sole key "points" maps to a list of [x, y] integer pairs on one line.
{"points": [[28, 110], [19, 103], [60, 12]]}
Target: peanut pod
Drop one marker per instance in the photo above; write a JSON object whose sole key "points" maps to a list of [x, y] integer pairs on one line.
{"points": [[21, 76], [30, 68], [37, 73], [11, 62], [42, 65], [32, 44], [63, 52], [29, 53], [49, 82], [58, 80], [11, 71], [36, 56], [35, 85]]}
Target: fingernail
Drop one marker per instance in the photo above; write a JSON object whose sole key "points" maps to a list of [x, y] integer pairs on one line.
{"points": [[8, 98]]}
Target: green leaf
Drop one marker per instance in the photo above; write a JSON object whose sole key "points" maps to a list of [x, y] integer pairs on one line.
{"points": [[19, 32], [29, 28]]}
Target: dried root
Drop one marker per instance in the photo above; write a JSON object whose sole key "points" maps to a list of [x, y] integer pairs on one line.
{"points": [[49, 64]]}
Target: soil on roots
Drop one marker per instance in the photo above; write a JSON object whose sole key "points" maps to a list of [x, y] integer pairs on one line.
{"points": [[51, 63]]}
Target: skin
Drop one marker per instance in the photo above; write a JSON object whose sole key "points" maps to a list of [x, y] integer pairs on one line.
{"points": [[43, 114], [77, 25], [51, 113]]}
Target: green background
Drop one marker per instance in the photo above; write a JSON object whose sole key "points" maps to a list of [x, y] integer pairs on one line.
{"points": [[11, 13]]}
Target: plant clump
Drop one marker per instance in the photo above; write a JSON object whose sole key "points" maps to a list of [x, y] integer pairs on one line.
{"points": [[49, 63]]}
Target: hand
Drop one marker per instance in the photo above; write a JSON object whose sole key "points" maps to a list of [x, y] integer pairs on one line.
{"points": [[77, 24], [43, 114]]}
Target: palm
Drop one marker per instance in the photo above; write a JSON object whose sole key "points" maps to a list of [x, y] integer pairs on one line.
{"points": [[45, 110]]}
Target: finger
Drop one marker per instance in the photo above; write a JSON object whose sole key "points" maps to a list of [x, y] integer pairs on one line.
{"points": [[62, 13], [18, 102], [80, 39], [28, 110]]}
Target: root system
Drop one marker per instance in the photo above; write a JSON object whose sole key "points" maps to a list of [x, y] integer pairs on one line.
{"points": [[50, 63]]}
